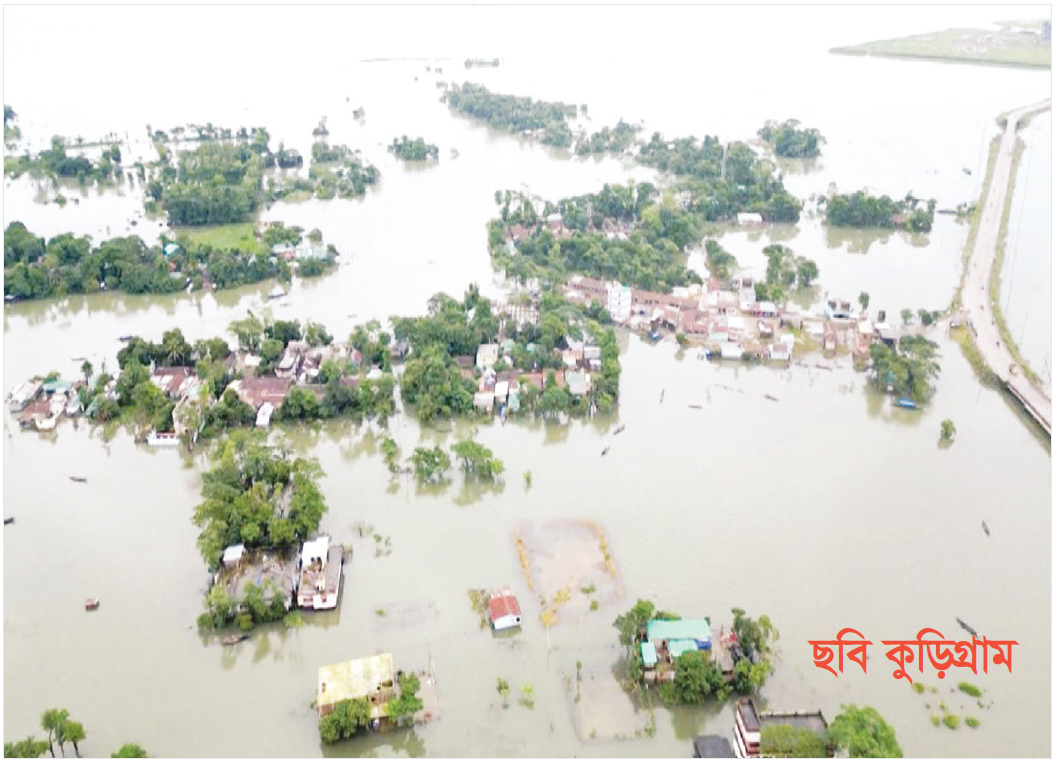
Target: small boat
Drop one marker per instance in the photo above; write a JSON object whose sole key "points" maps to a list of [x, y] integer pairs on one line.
{"points": [[770, 397], [125, 338], [966, 626], [9, 520], [662, 394], [91, 604], [986, 529], [905, 402], [78, 479], [619, 429], [277, 293], [605, 451], [696, 407], [234, 638]]}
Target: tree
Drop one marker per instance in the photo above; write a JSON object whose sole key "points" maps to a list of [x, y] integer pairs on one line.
{"points": [[250, 332], [52, 721], [863, 300], [477, 459], [696, 679], [864, 734], [785, 741], [315, 335], [130, 750], [391, 452], [86, 369], [345, 720], [402, 708], [430, 463], [907, 316], [27, 748], [630, 623], [74, 733], [807, 271], [948, 430]]}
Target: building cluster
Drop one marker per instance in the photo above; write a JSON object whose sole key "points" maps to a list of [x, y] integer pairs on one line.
{"points": [[311, 579], [748, 727], [727, 319]]}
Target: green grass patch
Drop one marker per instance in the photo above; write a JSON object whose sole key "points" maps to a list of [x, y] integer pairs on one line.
{"points": [[972, 723], [970, 689], [240, 236], [951, 721], [918, 688], [964, 337], [935, 720]]}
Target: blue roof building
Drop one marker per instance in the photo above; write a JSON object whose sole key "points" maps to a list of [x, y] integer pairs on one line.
{"points": [[658, 631]]}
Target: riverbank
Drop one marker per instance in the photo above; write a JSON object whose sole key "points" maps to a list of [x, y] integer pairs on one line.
{"points": [[966, 46]]}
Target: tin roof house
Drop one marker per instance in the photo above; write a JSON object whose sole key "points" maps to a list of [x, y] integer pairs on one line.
{"points": [[370, 678]]}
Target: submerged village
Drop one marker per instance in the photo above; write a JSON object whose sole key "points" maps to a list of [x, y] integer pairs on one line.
{"points": [[579, 272]]}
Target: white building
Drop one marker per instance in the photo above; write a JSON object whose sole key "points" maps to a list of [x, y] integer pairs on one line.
{"points": [[264, 414], [619, 302], [749, 219]]}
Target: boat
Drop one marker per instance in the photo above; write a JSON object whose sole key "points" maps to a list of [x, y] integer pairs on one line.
{"points": [[905, 402], [9, 520], [770, 397], [159, 439], [605, 451], [619, 429], [966, 626], [234, 638], [986, 529], [696, 407], [78, 479], [127, 338], [91, 604], [277, 293]]}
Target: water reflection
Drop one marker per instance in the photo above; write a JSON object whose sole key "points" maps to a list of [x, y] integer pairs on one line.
{"points": [[474, 490], [807, 166], [859, 240], [383, 744]]}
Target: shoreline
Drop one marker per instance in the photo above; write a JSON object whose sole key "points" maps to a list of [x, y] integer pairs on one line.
{"points": [[937, 58]]}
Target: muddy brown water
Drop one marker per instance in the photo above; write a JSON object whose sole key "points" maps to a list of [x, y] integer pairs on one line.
{"points": [[825, 509]]}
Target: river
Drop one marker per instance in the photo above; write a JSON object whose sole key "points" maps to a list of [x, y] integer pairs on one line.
{"points": [[823, 510]]}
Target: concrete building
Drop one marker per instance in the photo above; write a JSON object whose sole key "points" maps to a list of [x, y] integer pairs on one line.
{"points": [[619, 302]]}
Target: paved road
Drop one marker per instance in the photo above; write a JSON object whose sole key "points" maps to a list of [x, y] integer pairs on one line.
{"points": [[976, 292]]}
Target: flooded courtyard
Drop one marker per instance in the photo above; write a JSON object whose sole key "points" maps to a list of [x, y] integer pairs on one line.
{"points": [[796, 493]]}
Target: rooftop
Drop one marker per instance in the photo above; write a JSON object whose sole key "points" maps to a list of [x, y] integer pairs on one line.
{"points": [[712, 747], [660, 630], [356, 678]]}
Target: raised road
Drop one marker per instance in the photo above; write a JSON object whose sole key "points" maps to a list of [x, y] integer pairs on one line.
{"points": [[979, 271]]}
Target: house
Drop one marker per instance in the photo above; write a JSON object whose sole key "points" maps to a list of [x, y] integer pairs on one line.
{"points": [[257, 391], [264, 415], [23, 394], [885, 334], [487, 356], [669, 636], [163, 439], [749, 724], [174, 381], [578, 383], [320, 574], [749, 219], [370, 678], [829, 340], [618, 302], [780, 352], [649, 657], [712, 746], [502, 392], [289, 365], [233, 555], [839, 310], [284, 251], [310, 251], [731, 351], [503, 610], [765, 329], [517, 233], [736, 326], [484, 400]]}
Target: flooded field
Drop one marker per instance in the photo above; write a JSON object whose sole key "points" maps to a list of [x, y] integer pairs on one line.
{"points": [[824, 509]]}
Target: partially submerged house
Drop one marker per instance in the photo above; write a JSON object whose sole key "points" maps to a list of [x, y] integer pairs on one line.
{"points": [[503, 610], [749, 219], [23, 394], [319, 582], [667, 640], [712, 746], [749, 724], [370, 678]]}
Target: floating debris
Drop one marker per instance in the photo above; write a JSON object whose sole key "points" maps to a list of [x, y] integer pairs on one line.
{"points": [[91, 604], [771, 397], [78, 479], [986, 529], [619, 429], [606, 450], [234, 638]]}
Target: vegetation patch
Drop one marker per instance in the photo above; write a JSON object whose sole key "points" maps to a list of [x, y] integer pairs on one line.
{"points": [[789, 140], [415, 150], [970, 689], [860, 210], [951, 721], [513, 114]]}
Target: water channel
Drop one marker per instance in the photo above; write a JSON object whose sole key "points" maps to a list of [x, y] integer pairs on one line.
{"points": [[824, 509]]}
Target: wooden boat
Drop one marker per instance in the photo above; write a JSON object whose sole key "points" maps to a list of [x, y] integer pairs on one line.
{"points": [[619, 429], [234, 638], [78, 479], [966, 626], [905, 402], [696, 407], [91, 604], [9, 520], [127, 338], [986, 529], [605, 451], [770, 397]]}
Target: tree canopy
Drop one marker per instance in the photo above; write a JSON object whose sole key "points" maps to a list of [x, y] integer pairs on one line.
{"points": [[860, 210], [864, 733], [512, 113], [907, 369], [787, 139]]}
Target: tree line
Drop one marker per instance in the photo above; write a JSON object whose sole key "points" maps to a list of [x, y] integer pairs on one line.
{"points": [[861, 210], [61, 730], [787, 139], [512, 113]]}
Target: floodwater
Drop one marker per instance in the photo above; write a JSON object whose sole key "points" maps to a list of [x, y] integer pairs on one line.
{"points": [[1026, 277], [824, 510]]}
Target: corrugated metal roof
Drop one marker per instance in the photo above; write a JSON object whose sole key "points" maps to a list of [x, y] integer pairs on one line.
{"points": [[659, 630], [648, 654], [677, 647]]}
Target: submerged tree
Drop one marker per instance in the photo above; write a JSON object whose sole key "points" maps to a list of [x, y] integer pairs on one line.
{"points": [[130, 750], [863, 733]]}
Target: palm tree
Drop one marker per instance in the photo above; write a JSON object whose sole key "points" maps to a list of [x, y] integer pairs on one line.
{"points": [[86, 369]]}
